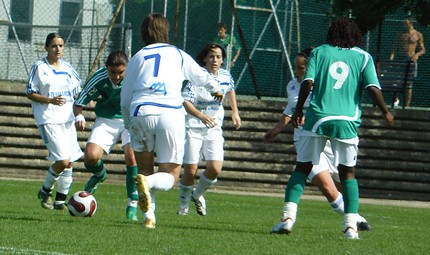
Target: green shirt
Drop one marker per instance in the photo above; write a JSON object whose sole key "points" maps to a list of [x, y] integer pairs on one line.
{"points": [[339, 75], [100, 88], [226, 41]]}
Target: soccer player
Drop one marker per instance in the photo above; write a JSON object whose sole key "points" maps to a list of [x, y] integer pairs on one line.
{"points": [[104, 87], [204, 132], [52, 87], [336, 72], [323, 174], [151, 104], [229, 43]]}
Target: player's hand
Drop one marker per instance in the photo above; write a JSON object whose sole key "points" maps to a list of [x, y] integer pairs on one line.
{"points": [[297, 119], [58, 100], [80, 122], [218, 96], [269, 136], [237, 122], [389, 119], [208, 121]]}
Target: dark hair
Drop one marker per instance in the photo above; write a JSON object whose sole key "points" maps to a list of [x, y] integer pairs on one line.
{"points": [[222, 25], [50, 37], [117, 58], [306, 52], [344, 33], [155, 29], [205, 51]]}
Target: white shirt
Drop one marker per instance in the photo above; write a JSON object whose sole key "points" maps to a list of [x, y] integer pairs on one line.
{"points": [[50, 82], [204, 102], [153, 81]]}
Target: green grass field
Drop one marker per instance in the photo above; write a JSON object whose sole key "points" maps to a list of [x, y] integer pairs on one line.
{"points": [[235, 224]]}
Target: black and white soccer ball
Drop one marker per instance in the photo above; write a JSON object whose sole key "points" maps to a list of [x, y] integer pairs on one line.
{"points": [[82, 204]]}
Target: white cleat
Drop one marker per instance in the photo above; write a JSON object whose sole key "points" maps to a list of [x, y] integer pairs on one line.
{"points": [[200, 204], [285, 226], [183, 211], [350, 233]]}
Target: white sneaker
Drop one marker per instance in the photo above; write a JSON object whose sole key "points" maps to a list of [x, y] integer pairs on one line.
{"points": [[350, 233], [285, 226], [183, 211], [200, 204], [362, 224]]}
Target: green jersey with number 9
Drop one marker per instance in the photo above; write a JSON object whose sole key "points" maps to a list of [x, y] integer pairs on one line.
{"points": [[338, 75]]}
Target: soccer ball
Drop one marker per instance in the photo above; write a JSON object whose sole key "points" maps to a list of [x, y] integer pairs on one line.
{"points": [[82, 204]]}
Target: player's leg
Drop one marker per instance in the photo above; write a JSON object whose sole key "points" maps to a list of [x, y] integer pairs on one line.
{"points": [[93, 162], [186, 185]]}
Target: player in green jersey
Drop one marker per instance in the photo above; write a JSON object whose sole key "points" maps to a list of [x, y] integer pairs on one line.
{"points": [[104, 87], [336, 73]]}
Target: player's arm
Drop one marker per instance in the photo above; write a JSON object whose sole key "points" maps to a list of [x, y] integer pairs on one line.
{"points": [[298, 116], [207, 120], [377, 98], [422, 48], [58, 100], [272, 133], [234, 110], [79, 118]]}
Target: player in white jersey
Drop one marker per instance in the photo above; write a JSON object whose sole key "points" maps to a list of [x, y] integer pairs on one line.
{"points": [[52, 87], [151, 104], [336, 73], [204, 130], [323, 174]]}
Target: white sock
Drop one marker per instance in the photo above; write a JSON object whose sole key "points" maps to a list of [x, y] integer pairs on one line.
{"points": [[65, 181], [152, 205], [50, 179], [161, 180], [203, 186], [350, 220], [289, 211], [337, 205], [184, 195], [131, 203]]}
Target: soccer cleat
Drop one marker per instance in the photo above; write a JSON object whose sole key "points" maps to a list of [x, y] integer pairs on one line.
{"points": [[200, 204], [149, 223], [131, 213], [143, 190], [45, 199], [60, 206], [94, 182], [363, 226], [285, 226], [350, 233], [183, 211]]}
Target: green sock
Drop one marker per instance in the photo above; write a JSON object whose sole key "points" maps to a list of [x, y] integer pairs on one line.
{"points": [[130, 184], [96, 169], [295, 187], [350, 195]]}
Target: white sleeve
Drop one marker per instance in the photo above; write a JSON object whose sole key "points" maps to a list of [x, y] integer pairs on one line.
{"points": [[127, 94]]}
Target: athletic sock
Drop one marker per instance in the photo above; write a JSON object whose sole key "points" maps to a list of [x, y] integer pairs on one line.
{"points": [[350, 195], [65, 181], [289, 211], [130, 184], [50, 179], [161, 180], [295, 187], [203, 186], [337, 204], [96, 169], [184, 195]]}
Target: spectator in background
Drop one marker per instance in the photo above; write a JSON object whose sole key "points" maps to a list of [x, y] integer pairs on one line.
{"points": [[229, 43], [407, 43]]}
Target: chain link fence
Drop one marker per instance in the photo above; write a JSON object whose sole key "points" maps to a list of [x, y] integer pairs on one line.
{"points": [[273, 32]]}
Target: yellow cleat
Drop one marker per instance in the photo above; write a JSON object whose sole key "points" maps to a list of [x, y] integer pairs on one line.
{"points": [[149, 223], [143, 190]]}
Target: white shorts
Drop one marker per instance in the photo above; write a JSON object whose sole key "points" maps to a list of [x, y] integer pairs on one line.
{"points": [[61, 141], [106, 133], [206, 142], [310, 146], [326, 163], [164, 134]]}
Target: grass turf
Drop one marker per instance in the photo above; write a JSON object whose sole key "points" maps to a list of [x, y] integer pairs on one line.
{"points": [[235, 224]]}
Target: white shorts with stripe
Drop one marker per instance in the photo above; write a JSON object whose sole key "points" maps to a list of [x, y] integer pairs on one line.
{"points": [[61, 141], [203, 143]]}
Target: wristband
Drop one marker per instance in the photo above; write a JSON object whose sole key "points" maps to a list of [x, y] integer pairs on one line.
{"points": [[79, 117]]}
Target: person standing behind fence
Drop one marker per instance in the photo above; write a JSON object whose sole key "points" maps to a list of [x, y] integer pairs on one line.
{"points": [[229, 43], [204, 133], [52, 87], [151, 104], [336, 73], [406, 44], [104, 87]]}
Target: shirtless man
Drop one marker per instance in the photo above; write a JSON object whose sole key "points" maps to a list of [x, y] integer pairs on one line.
{"points": [[409, 40]]}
